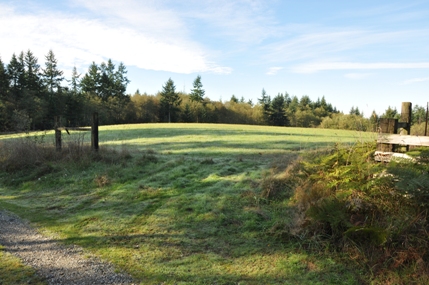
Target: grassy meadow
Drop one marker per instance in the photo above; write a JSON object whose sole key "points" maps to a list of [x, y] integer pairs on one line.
{"points": [[173, 203]]}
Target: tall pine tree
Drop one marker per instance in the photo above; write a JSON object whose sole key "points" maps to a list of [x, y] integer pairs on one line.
{"points": [[52, 77], [33, 95], [16, 73], [278, 113], [4, 81], [265, 102], [170, 99], [4, 89], [197, 95]]}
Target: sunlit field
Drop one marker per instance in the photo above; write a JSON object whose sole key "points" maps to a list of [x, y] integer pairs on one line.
{"points": [[176, 203]]}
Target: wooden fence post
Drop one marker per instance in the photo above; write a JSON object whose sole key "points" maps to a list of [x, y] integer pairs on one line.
{"points": [[387, 126], [405, 121], [57, 134], [406, 116], [426, 124], [94, 131]]}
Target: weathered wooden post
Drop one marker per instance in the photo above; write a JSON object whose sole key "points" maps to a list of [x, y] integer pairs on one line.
{"points": [[57, 134], [94, 132], [389, 140], [426, 124], [405, 121], [406, 116], [387, 126]]}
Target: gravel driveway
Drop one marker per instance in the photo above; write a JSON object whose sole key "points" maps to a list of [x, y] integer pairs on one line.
{"points": [[57, 263]]}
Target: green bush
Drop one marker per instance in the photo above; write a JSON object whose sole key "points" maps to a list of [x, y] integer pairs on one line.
{"points": [[372, 211], [347, 122]]}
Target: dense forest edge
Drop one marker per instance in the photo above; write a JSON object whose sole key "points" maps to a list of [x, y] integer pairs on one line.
{"points": [[32, 96]]}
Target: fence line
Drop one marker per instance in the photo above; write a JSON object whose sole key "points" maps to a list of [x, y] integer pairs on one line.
{"points": [[93, 129], [391, 137]]}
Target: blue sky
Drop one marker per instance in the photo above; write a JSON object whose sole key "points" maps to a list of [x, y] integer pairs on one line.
{"points": [[367, 54]]}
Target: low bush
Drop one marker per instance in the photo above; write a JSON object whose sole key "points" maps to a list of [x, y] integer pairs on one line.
{"points": [[34, 153], [375, 213]]}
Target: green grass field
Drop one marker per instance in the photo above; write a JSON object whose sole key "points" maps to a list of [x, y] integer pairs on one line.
{"points": [[178, 203]]}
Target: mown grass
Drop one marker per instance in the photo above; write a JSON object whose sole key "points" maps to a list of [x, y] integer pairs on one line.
{"points": [[176, 203]]}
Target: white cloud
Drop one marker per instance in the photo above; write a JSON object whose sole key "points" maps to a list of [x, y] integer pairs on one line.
{"points": [[415, 80], [274, 70], [77, 40], [357, 76], [242, 21], [331, 43], [148, 17], [322, 66]]}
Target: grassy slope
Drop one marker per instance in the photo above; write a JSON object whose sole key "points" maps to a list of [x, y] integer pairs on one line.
{"points": [[179, 203]]}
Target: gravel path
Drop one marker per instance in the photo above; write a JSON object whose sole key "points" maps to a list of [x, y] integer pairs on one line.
{"points": [[57, 263]]}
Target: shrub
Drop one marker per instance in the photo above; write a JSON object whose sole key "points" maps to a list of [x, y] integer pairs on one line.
{"points": [[375, 212], [347, 122], [25, 153], [281, 180]]}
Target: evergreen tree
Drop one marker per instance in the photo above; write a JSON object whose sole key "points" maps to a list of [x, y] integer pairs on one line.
{"points": [[197, 95], [170, 99], [418, 114], [390, 113], [121, 80], [33, 81], [91, 80], [105, 82], [265, 102], [4, 89], [278, 114], [305, 103], [373, 120], [52, 75], [233, 99], [288, 100], [74, 102], [187, 114], [52, 78], [74, 83], [355, 111], [33, 101], [16, 74], [4, 82], [107, 88], [323, 104], [294, 104]]}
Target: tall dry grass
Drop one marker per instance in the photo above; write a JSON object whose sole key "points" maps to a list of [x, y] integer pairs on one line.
{"points": [[34, 151]]}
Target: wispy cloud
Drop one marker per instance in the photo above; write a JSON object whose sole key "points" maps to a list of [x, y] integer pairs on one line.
{"points": [[322, 66], [415, 80], [148, 17], [245, 22], [333, 43], [357, 76], [274, 70], [78, 40]]}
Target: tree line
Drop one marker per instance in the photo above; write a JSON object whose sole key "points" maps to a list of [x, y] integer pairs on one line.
{"points": [[31, 97]]}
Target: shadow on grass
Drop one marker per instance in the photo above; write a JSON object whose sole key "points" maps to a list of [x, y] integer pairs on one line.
{"points": [[207, 267], [204, 236], [195, 130], [217, 147], [178, 219]]}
